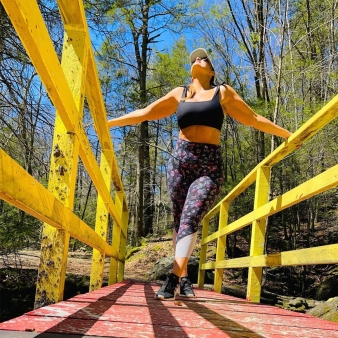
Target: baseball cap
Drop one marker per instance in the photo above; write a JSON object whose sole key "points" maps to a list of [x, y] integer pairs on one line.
{"points": [[201, 53]]}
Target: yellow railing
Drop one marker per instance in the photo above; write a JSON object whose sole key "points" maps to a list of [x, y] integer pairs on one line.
{"points": [[67, 84], [263, 208]]}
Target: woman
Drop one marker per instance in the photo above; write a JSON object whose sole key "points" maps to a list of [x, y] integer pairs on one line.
{"points": [[194, 175]]}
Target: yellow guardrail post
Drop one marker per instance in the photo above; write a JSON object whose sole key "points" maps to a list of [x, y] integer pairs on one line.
{"points": [[221, 245], [203, 253], [116, 238], [66, 85], [258, 233], [119, 241], [62, 175], [123, 246], [101, 222]]}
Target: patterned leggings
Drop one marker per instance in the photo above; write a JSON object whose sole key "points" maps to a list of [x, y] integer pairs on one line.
{"points": [[194, 179]]}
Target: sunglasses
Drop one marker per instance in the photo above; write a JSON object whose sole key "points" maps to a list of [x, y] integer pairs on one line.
{"points": [[202, 59]]}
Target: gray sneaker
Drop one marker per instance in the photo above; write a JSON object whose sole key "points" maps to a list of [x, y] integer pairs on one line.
{"points": [[186, 288], [168, 289]]}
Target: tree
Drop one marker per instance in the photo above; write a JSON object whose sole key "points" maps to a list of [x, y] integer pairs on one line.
{"points": [[171, 71], [133, 33], [26, 125]]}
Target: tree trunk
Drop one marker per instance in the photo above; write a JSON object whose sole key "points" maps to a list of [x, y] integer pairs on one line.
{"points": [[140, 183]]}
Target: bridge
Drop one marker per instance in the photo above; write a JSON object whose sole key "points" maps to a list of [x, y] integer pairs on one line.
{"points": [[125, 308]]}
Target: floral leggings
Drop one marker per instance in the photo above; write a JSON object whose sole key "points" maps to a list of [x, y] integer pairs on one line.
{"points": [[194, 179]]}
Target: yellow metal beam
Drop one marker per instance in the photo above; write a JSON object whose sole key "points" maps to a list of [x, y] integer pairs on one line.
{"points": [[73, 17], [35, 38], [123, 248], [62, 175], [305, 132], [66, 87], [221, 246], [97, 110], [23, 191], [258, 234], [72, 14], [101, 224], [203, 253], [28, 23], [116, 241], [327, 254], [323, 117], [316, 185]]}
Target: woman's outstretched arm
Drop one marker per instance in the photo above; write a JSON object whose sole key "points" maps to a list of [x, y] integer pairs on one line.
{"points": [[240, 111], [161, 108]]}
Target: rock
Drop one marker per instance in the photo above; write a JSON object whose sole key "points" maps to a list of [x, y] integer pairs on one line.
{"points": [[161, 269], [235, 291], [327, 289], [327, 310], [297, 304], [164, 266]]}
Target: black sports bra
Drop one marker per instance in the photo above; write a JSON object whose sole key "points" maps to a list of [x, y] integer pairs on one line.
{"points": [[202, 113]]}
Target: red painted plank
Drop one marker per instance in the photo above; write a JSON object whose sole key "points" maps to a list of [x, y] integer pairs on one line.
{"points": [[130, 310]]}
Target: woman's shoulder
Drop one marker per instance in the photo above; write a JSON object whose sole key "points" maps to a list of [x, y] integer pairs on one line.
{"points": [[178, 89], [181, 89], [227, 93], [176, 93], [225, 88]]}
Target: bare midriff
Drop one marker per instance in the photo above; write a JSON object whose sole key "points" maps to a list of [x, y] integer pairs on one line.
{"points": [[200, 134]]}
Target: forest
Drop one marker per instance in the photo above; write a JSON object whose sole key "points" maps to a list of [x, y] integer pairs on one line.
{"points": [[281, 56]]}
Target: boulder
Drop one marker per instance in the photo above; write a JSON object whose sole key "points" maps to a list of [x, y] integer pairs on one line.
{"points": [[297, 304], [327, 289], [163, 267], [327, 310]]}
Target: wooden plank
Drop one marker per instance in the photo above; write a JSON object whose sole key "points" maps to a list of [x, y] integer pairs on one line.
{"points": [[16, 334], [130, 310]]}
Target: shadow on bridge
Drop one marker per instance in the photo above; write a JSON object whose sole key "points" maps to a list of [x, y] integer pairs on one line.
{"points": [[129, 309]]}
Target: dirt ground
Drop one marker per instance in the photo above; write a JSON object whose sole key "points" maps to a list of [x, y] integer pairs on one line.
{"points": [[79, 263]]}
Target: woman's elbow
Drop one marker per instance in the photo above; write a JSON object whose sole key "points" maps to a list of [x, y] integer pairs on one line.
{"points": [[250, 122], [141, 115]]}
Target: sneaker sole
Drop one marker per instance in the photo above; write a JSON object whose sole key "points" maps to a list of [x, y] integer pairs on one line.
{"points": [[162, 298], [188, 296]]}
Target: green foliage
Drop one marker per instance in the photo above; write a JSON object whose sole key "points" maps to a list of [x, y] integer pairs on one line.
{"points": [[157, 247], [132, 252], [17, 230], [143, 241], [219, 13]]}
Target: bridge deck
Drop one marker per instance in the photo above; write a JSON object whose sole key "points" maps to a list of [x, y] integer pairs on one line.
{"points": [[129, 309]]}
